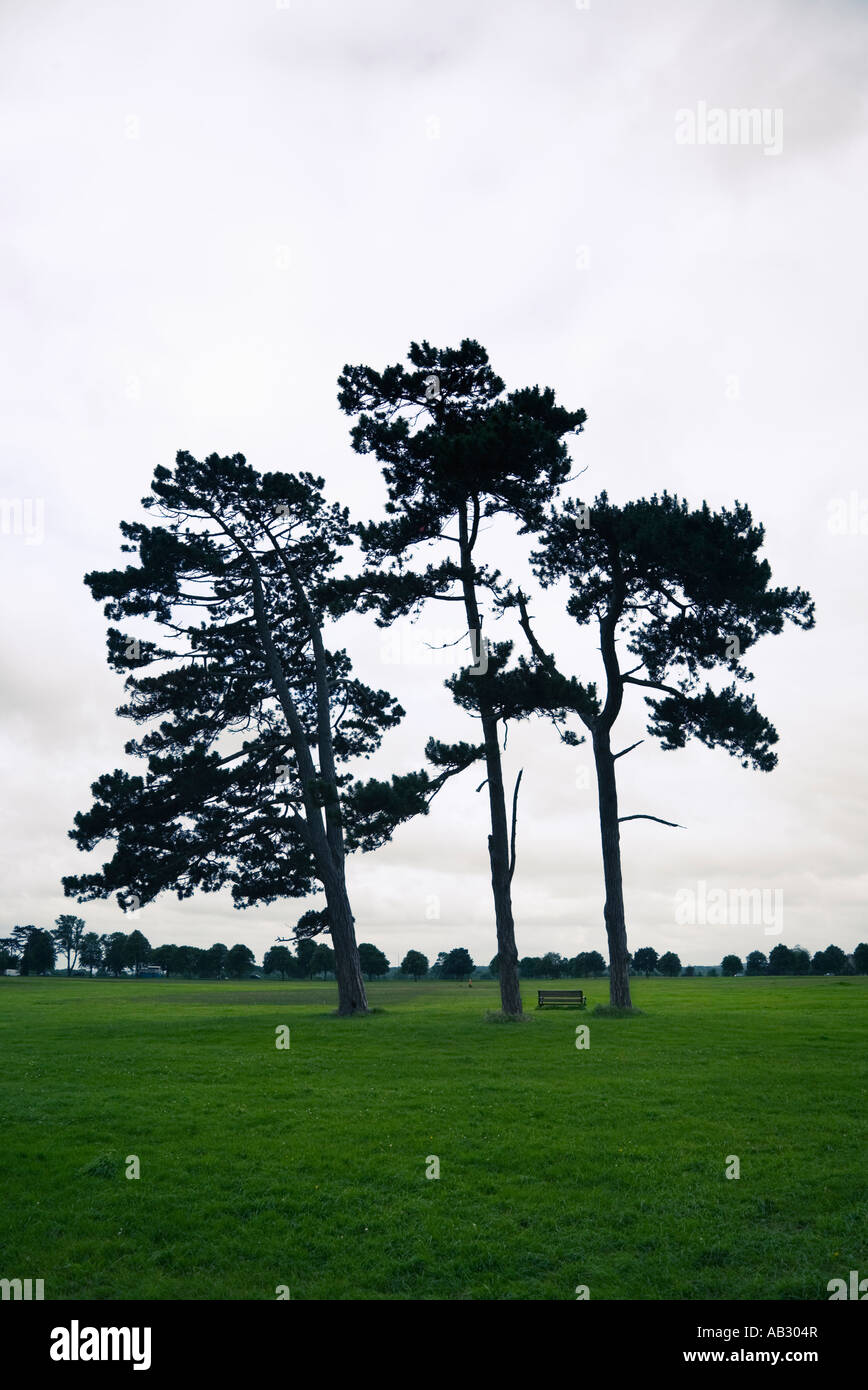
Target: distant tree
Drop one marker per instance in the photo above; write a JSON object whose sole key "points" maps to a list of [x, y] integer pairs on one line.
{"points": [[494, 966], [553, 965], [168, 958], [458, 965], [278, 961], [732, 965], [374, 963], [780, 960], [836, 961], [756, 964], [239, 959], [39, 954], [138, 951], [115, 953], [436, 971], [860, 958], [801, 961], [323, 960], [67, 935], [673, 594], [194, 962], [304, 951], [213, 962], [645, 960], [689, 971], [17, 941], [530, 967], [669, 964], [8, 958], [91, 951], [832, 961], [415, 964], [586, 965]]}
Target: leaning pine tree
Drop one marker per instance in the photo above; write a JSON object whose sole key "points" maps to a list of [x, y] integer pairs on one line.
{"points": [[685, 592], [457, 450], [251, 716]]}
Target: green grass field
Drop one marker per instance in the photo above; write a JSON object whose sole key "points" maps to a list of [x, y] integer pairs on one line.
{"points": [[306, 1167]]}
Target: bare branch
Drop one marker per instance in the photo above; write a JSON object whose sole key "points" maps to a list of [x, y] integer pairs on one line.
{"points": [[514, 817], [657, 818], [654, 685], [628, 750]]}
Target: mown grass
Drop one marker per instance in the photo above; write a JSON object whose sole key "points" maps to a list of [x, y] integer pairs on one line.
{"points": [[306, 1167]]}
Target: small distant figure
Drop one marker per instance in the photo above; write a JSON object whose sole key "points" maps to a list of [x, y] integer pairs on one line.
{"points": [[469, 984]]}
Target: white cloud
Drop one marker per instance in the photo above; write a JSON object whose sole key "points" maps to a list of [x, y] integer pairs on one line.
{"points": [[208, 210]]}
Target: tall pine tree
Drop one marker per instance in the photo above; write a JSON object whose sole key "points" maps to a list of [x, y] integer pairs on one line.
{"points": [[252, 718], [457, 449], [684, 592]]}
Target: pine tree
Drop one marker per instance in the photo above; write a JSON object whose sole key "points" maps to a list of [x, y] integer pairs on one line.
{"points": [[251, 717], [456, 451]]}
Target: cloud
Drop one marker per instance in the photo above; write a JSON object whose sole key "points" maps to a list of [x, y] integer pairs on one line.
{"points": [[209, 210]]}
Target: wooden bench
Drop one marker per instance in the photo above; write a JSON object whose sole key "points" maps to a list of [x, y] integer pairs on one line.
{"points": [[571, 997]]}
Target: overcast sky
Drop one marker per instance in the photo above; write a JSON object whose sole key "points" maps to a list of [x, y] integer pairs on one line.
{"points": [[208, 208]]}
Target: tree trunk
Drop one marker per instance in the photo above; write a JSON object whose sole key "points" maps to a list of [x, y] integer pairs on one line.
{"points": [[616, 930], [498, 840], [348, 971], [498, 853]]}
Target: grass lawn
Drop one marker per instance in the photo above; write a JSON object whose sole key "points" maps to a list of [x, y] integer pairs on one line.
{"points": [[306, 1167]]}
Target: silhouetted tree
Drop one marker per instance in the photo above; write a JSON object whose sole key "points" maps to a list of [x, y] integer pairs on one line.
{"points": [[115, 952], [415, 964], [38, 955], [374, 963], [213, 961], [756, 964], [780, 960], [278, 959], [138, 951], [832, 961], [669, 964], [91, 951], [553, 965], [458, 965], [239, 959], [478, 453], [67, 935], [252, 716], [323, 960], [645, 960], [684, 592], [168, 958], [732, 965]]}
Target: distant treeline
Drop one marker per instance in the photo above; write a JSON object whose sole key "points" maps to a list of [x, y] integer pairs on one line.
{"points": [[783, 961], [33, 951]]}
